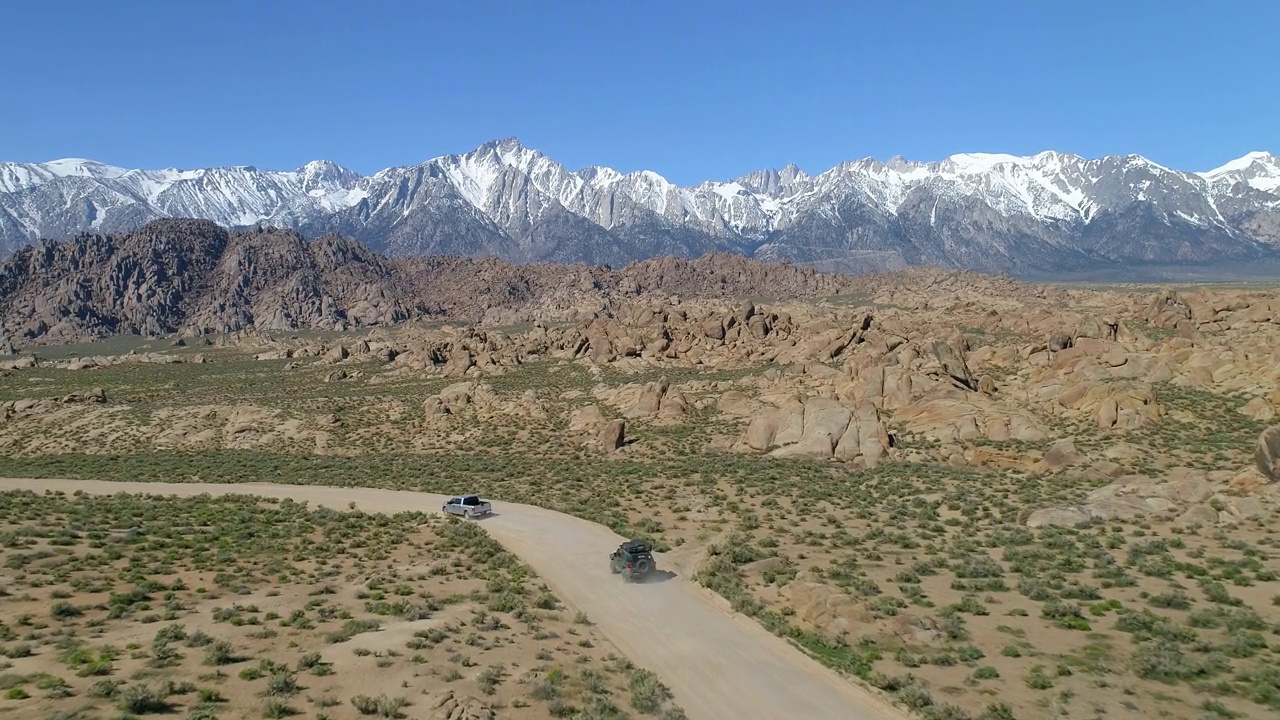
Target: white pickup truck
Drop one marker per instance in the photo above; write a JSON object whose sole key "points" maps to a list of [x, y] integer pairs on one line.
{"points": [[467, 506]]}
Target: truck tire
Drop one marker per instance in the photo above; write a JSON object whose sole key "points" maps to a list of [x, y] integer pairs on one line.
{"points": [[643, 566]]}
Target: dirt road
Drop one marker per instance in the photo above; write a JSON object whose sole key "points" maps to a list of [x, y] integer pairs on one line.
{"points": [[719, 666]]}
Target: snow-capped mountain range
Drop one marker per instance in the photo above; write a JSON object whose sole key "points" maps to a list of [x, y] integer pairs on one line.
{"points": [[991, 212]]}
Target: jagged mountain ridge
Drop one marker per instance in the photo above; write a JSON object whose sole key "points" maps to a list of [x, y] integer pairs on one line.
{"points": [[985, 212], [196, 277]]}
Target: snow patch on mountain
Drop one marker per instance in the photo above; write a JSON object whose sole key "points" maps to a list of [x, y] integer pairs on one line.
{"points": [[1259, 170], [974, 163]]}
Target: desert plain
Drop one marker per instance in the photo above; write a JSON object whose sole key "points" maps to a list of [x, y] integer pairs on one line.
{"points": [[960, 495]]}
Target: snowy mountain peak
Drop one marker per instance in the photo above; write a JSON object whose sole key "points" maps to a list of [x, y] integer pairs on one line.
{"points": [[599, 174], [791, 172], [325, 175], [324, 167], [983, 210], [771, 182], [1148, 163], [17, 176], [974, 163], [507, 151], [476, 174], [1242, 163], [80, 167], [1259, 170], [897, 164], [506, 144]]}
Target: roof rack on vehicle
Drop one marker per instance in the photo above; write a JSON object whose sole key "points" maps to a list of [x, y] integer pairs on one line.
{"points": [[636, 546]]}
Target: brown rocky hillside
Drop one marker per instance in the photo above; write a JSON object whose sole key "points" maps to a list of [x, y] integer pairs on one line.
{"points": [[195, 277]]}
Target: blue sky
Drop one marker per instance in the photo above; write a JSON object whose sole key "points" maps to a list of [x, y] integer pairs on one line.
{"points": [[693, 90]]}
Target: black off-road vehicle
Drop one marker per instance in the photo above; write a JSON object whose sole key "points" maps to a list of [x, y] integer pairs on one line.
{"points": [[633, 560]]}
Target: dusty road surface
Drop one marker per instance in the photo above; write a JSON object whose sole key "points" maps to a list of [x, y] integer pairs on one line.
{"points": [[719, 666]]}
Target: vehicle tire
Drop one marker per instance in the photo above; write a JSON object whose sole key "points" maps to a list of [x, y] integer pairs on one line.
{"points": [[643, 566], [613, 569], [626, 575]]}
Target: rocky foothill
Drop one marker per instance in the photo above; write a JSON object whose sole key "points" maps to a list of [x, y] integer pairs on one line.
{"points": [[939, 367], [193, 277], [921, 365]]}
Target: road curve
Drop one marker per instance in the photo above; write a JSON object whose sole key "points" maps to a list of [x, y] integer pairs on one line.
{"points": [[719, 665]]}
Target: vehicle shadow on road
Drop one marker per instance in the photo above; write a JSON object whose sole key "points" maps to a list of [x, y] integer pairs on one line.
{"points": [[657, 576], [477, 518]]}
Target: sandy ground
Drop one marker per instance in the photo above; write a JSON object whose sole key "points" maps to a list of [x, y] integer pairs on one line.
{"points": [[719, 666]]}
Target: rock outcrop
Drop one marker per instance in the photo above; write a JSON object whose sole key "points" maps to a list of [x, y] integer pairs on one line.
{"points": [[451, 705], [820, 605], [1186, 496], [655, 399], [819, 428], [1267, 454], [589, 426], [612, 436], [478, 400]]}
